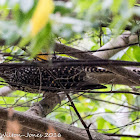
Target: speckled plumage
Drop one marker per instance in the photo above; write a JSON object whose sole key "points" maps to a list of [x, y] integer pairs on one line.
{"points": [[37, 79]]}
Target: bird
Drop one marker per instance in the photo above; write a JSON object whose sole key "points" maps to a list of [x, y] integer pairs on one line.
{"points": [[34, 78]]}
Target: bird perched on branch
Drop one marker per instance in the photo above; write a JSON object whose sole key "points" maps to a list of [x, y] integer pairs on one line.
{"points": [[36, 78]]}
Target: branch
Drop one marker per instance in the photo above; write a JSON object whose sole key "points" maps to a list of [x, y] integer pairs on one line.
{"points": [[128, 74], [130, 107], [122, 135], [46, 105], [122, 41], [37, 124], [79, 116], [111, 78], [4, 91]]}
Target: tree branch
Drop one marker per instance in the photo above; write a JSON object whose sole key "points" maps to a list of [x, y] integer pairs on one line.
{"points": [[4, 91], [46, 105], [129, 75], [122, 41], [40, 125]]}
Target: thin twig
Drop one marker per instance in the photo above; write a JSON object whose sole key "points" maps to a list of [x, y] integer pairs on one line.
{"points": [[121, 135], [79, 116]]}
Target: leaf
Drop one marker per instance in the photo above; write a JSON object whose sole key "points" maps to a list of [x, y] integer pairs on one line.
{"points": [[130, 98], [62, 9], [108, 110], [110, 119], [116, 5], [43, 40], [128, 55], [63, 117], [137, 102], [41, 15], [136, 52], [100, 123], [132, 2]]}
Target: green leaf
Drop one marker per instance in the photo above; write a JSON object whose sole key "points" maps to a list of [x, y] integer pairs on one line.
{"points": [[100, 123], [63, 118], [128, 138], [22, 17], [137, 102], [109, 119], [129, 54], [131, 3], [43, 40], [136, 53], [62, 9], [108, 110], [116, 5], [130, 98]]}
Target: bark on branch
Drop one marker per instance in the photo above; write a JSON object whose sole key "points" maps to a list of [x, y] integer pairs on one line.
{"points": [[123, 41], [38, 125], [129, 75]]}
